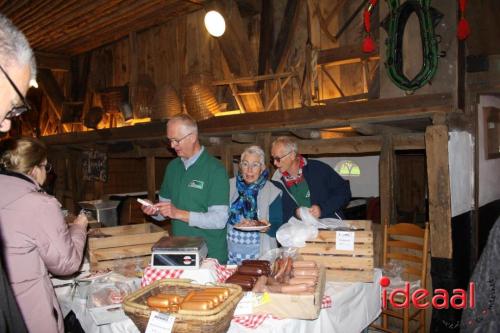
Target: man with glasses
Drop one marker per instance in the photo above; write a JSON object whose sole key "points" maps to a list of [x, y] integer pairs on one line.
{"points": [[17, 66], [195, 190], [307, 183]]}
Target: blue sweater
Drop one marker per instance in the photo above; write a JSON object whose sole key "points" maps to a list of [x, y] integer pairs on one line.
{"points": [[328, 190]]}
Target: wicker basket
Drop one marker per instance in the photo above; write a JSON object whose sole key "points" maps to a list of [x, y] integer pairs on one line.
{"points": [[199, 96], [215, 320], [167, 103]]}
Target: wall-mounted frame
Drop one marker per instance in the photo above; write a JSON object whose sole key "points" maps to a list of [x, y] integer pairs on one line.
{"points": [[492, 132]]}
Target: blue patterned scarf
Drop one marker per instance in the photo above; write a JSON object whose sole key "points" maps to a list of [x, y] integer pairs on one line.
{"points": [[244, 244]]}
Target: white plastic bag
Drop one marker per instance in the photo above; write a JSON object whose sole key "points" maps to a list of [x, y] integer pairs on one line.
{"points": [[295, 232]]}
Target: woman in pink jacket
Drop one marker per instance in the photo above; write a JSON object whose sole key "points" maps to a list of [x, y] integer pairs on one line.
{"points": [[36, 239]]}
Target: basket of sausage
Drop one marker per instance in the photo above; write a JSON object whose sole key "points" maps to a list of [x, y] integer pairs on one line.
{"points": [[196, 308], [294, 288]]}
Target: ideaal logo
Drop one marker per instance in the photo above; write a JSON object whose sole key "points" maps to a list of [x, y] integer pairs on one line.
{"points": [[418, 297]]}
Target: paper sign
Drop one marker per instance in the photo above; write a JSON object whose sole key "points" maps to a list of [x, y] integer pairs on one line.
{"points": [[344, 240], [160, 323]]}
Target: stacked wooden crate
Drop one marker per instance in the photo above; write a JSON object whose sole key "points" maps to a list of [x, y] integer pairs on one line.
{"points": [[124, 245], [344, 265]]}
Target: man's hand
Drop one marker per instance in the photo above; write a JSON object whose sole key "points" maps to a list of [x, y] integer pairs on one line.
{"points": [[167, 209], [315, 211]]}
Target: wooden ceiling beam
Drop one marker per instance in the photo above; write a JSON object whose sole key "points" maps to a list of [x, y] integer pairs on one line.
{"points": [[345, 55], [55, 62]]}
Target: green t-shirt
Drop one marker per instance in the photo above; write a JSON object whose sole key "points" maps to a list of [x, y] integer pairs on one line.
{"points": [[301, 194], [203, 184]]}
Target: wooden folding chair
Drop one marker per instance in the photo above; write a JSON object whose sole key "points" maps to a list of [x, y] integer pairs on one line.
{"points": [[407, 245]]}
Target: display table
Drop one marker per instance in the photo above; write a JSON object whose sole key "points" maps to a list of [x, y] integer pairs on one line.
{"points": [[354, 307]]}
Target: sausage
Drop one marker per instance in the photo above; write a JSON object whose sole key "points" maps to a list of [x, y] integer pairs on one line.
{"points": [[172, 298], [293, 288], [157, 302], [199, 298], [260, 284], [310, 281], [252, 270], [264, 263], [212, 298], [288, 269], [224, 291], [304, 264], [195, 305], [306, 272], [281, 269], [244, 281]]}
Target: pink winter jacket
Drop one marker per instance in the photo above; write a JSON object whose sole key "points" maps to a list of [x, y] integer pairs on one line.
{"points": [[36, 241]]}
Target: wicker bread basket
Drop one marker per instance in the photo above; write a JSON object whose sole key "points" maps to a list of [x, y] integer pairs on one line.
{"points": [[216, 320], [199, 96]]}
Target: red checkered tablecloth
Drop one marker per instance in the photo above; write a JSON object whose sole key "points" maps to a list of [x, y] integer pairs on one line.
{"points": [[152, 274]]}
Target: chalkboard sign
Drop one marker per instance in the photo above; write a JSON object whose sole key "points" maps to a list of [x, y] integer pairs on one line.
{"points": [[95, 166]]}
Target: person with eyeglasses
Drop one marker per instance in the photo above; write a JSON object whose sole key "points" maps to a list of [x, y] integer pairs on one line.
{"points": [[17, 67], [252, 197], [36, 238], [17, 58], [307, 183], [194, 193]]}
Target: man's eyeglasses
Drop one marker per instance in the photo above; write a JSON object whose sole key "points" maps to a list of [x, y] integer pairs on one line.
{"points": [[178, 141], [16, 111], [278, 159], [47, 166], [246, 165]]}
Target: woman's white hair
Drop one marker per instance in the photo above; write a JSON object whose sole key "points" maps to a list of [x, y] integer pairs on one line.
{"points": [[254, 150], [14, 47]]}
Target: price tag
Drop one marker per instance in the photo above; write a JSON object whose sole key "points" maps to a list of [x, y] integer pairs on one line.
{"points": [[344, 240], [160, 323]]}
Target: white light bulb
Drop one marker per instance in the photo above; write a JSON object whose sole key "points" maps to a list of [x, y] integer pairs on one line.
{"points": [[215, 24]]}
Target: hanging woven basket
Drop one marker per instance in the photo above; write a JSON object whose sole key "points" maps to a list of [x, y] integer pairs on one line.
{"points": [[167, 103], [199, 96]]}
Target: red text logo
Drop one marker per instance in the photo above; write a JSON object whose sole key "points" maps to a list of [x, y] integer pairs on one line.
{"points": [[401, 297]]}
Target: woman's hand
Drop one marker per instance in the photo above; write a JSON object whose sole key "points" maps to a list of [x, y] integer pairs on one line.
{"points": [[82, 220], [315, 211]]}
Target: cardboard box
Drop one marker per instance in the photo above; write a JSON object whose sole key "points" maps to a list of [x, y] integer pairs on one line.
{"points": [[294, 306], [354, 265], [127, 245]]}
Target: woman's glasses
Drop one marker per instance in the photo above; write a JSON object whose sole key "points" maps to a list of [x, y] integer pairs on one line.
{"points": [[246, 165], [16, 111], [47, 166], [278, 159]]}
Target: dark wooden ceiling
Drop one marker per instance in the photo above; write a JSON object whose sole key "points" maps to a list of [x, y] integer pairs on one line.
{"points": [[70, 27]]}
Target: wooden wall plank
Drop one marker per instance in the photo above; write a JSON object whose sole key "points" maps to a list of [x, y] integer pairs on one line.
{"points": [[386, 182]]}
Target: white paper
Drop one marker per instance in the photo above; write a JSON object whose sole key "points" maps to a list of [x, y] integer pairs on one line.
{"points": [[344, 240], [160, 323]]}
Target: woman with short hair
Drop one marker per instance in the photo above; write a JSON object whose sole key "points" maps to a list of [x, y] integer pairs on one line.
{"points": [[36, 239], [252, 197]]}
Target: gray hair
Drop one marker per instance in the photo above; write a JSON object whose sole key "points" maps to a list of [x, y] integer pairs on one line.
{"points": [[14, 47], [254, 150], [187, 121], [287, 142]]}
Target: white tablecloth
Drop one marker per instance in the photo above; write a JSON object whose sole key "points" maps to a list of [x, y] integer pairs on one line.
{"points": [[354, 307]]}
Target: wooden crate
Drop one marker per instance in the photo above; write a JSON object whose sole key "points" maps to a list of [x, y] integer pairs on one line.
{"points": [[129, 244], [342, 265]]}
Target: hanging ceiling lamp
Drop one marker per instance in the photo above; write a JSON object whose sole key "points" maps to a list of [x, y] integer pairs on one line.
{"points": [[215, 23]]}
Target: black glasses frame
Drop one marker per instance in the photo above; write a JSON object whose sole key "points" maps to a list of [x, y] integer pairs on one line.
{"points": [[47, 166], [178, 141], [16, 111], [278, 159]]}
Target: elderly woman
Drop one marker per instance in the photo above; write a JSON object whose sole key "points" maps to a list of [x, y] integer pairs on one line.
{"points": [[252, 197], [36, 239]]}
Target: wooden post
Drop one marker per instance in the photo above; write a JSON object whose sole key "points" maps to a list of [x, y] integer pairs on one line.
{"points": [[227, 158], [264, 140], [386, 177], [151, 177], [436, 142]]}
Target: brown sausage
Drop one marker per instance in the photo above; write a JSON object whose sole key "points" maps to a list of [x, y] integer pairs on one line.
{"points": [[195, 305], [157, 302], [224, 291], [264, 263], [304, 264], [252, 270], [172, 298], [306, 272], [310, 281], [207, 300]]}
